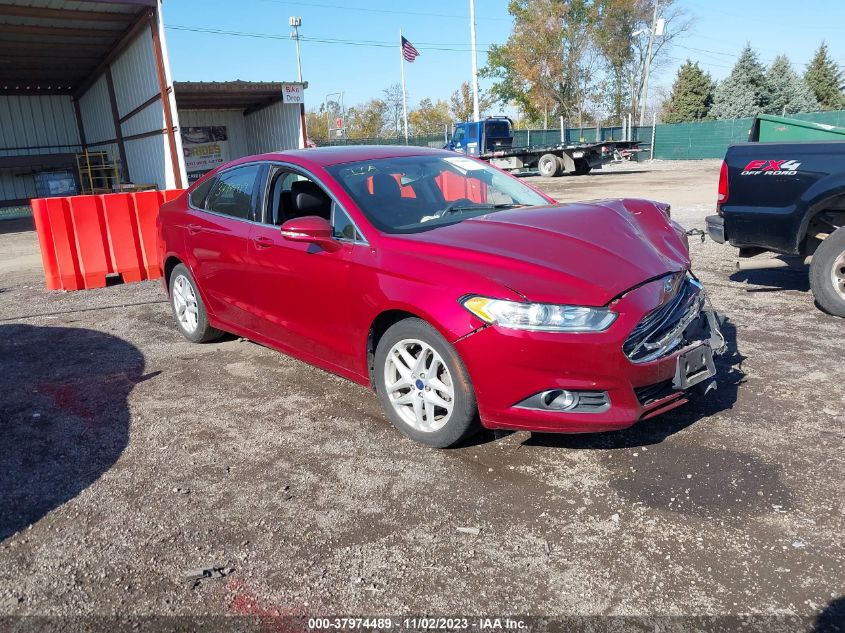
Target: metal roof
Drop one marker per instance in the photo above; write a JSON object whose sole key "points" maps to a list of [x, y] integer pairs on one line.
{"points": [[54, 46], [221, 95]]}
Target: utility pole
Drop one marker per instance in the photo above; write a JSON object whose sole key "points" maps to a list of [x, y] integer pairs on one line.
{"points": [[644, 93], [296, 22], [475, 109]]}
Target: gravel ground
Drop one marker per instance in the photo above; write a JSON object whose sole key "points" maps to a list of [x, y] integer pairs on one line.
{"points": [[132, 456]]}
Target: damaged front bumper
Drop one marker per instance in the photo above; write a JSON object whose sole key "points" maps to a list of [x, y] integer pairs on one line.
{"points": [[533, 380]]}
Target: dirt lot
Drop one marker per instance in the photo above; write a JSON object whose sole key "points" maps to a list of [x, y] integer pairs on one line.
{"points": [[130, 456]]}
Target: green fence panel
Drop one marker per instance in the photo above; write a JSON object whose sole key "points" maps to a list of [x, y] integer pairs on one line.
{"points": [[525, 138], [706, 139], [679, 141], [710, 139], [835, 117]]}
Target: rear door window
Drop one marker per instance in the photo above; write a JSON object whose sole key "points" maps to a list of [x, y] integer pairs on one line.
{"points": [[233, 192]]}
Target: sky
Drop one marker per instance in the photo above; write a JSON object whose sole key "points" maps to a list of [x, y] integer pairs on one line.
{"points": [[356, 42]]}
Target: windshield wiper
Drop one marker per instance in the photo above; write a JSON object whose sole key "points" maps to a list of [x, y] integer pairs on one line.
{"points": [[484, 207]]}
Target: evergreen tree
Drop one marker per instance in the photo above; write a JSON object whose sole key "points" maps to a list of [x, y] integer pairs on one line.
{"points": [[692, 94], [825, 80], [789, 92], [745, 92]]}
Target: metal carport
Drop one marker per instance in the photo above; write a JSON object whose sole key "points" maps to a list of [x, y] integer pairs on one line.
{"points": [[85, 75]]}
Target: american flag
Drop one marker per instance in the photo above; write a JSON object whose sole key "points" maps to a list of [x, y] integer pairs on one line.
{"points": [[408, 51]]}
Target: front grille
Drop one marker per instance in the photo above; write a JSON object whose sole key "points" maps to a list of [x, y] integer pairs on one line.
{"points": [[662, 330], [652, 393]]}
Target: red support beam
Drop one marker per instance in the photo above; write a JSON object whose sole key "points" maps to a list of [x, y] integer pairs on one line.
{"points": [[165, 101]]}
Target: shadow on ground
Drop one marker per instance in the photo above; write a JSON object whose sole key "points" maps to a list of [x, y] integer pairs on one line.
{"points": [[832, 618], [17, 225], [64, 416], [775, 279]]}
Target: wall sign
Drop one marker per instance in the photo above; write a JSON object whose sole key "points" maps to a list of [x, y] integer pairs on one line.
{"points": [[205, 148], [293, 93]]}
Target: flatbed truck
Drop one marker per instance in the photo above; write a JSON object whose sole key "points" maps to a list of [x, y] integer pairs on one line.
{"points": [[491, 140]]}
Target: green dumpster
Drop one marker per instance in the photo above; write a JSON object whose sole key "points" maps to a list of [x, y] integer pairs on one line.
{"points": [[770, 128]]}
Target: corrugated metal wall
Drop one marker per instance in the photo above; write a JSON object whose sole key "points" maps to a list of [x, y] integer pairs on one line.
{"points": [[274, 128], [30, 125], [135, 79], [96, 113], [232, 119], [45, 121], [134, 74]]}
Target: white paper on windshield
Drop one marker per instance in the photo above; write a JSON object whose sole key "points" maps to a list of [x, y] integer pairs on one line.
{"points": [[467, 164]]}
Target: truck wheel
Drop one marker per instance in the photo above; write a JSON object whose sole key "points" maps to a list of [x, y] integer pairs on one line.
{"points": [[827, 274], [582, 166], [548, 166]]}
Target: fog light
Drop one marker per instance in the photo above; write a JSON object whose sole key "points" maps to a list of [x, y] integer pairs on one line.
{"points": [[560, 399]]}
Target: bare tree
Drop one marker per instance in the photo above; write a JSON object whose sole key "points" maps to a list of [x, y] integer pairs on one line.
{"points": [[393, 100]]}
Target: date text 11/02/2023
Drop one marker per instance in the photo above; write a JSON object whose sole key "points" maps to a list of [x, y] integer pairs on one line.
{"points": [[417, 623]]}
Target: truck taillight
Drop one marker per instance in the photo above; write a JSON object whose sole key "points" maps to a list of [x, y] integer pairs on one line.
{"points": [[723, 183]]}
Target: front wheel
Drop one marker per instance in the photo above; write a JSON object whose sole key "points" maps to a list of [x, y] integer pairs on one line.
{"points": [[423, 385], [827, 273]]}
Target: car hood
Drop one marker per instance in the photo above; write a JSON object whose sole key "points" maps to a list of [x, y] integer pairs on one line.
{"points": [[583, 253]]}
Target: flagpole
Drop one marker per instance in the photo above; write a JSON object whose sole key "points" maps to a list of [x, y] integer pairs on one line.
{"points": [[404, 97]]}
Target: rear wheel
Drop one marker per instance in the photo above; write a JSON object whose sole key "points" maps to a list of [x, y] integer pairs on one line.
{"points": [[827, 273], [548, 165], [423, 385], [188, 308]]}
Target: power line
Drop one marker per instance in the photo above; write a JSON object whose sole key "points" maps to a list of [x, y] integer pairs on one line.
{"points": [[391, 11], [323, 40]]}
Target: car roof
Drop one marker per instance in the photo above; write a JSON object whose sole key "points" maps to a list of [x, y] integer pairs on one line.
{"points": [[337, 154]]}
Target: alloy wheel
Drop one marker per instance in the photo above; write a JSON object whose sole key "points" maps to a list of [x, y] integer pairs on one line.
{"points": [[419, 386], [185, 304]]}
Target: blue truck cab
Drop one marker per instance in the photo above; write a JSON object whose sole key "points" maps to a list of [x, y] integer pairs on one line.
{"points": [[477, 138]]}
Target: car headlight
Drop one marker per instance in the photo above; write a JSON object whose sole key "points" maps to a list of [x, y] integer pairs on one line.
{"points": [[539, 317]]}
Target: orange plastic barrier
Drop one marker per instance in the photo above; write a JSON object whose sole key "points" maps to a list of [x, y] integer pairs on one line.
{"points": [[85, 238]]}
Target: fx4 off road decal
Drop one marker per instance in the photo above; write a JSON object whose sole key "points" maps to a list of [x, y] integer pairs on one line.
{"points": [[771, 168]]}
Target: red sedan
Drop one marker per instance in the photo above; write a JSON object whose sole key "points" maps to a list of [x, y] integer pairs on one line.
{"points": [[458, 292]]}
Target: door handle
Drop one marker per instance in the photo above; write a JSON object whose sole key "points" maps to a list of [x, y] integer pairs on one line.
{"points": [[193, 229], [263, 242]]}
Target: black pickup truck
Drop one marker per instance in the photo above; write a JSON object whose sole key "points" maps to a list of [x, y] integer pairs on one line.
{"points": [[788, 198]]}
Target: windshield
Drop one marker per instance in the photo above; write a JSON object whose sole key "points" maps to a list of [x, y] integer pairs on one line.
{"points": [[411, 194]]}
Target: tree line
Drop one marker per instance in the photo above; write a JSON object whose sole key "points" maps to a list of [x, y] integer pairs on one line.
{"points": [[588, 61], [752, 89], [382, 117], [584, 60]]}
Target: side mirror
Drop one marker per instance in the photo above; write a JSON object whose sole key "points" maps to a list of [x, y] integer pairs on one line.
{"points": [[311, 229]]}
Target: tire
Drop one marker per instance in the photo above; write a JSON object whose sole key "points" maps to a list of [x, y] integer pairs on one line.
{"points": [[184, 296], [415, 407], [582, 167], [827, 273], [548, 166]]}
